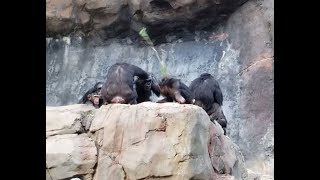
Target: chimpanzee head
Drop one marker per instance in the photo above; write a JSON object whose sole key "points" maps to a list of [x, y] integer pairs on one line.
{"points": [[147, 84], [144, 84], [95, 96], [168, 86]]}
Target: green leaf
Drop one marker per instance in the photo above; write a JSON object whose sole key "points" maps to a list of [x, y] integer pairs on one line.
{"points": [[143, 33], [163, 69]]}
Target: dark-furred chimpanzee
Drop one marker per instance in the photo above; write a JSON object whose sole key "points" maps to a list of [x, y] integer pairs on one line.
{"points": [[119, 84], [92, 96], [145, 87], [216, 113], [208, 95], [174, 90]]}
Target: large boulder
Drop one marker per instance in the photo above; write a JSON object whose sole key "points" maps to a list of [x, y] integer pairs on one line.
{"points": [[144, 141], [68, 119], [70, 155]]}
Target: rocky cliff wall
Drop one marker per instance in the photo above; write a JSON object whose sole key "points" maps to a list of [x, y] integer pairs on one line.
{"points": [[238, 52]]}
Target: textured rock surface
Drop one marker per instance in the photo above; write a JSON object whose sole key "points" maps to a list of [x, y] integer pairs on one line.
{"points": [[145, 141], [70, 155], [226, 157], [107, 18], [239, 54], [67, 119], [251, 31], [163, 140]]}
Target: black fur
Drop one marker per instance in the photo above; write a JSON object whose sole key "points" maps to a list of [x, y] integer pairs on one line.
{"points": [[145, 87], [95, 90], [216, 114], [208, 95], [172, 88], [207, 90], [119, 84]]}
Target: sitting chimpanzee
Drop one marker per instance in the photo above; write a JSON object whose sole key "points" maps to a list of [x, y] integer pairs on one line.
{"points": [[208, 95], [174, 90], [119, 84], [145, 87], [92, 96]]}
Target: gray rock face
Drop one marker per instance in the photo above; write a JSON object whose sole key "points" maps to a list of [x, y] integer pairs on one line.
{"points": [[108, 18], [144, 141], [86, 65], [251, 32], [239, 55]]}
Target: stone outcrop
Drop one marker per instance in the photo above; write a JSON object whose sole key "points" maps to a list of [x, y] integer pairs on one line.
{"points": [[109, 18], [239, 54], [144, 141], [70, 155], [250, 31], [68, 119]]}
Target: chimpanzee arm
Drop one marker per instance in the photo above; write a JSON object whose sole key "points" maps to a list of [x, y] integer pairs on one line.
{"points": [[167, 99], [136, 71], [178, 97], [84, 98], [186, 93], [155, 89], [175, 90]]}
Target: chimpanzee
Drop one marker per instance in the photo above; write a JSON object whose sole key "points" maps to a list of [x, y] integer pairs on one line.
{"points": [[174, 90], [216, 113], [208, 95], [92, 96], [119, 84], [145, 87]]}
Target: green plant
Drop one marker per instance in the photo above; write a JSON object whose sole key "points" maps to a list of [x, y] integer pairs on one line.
{"points": [[163, 68]]}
